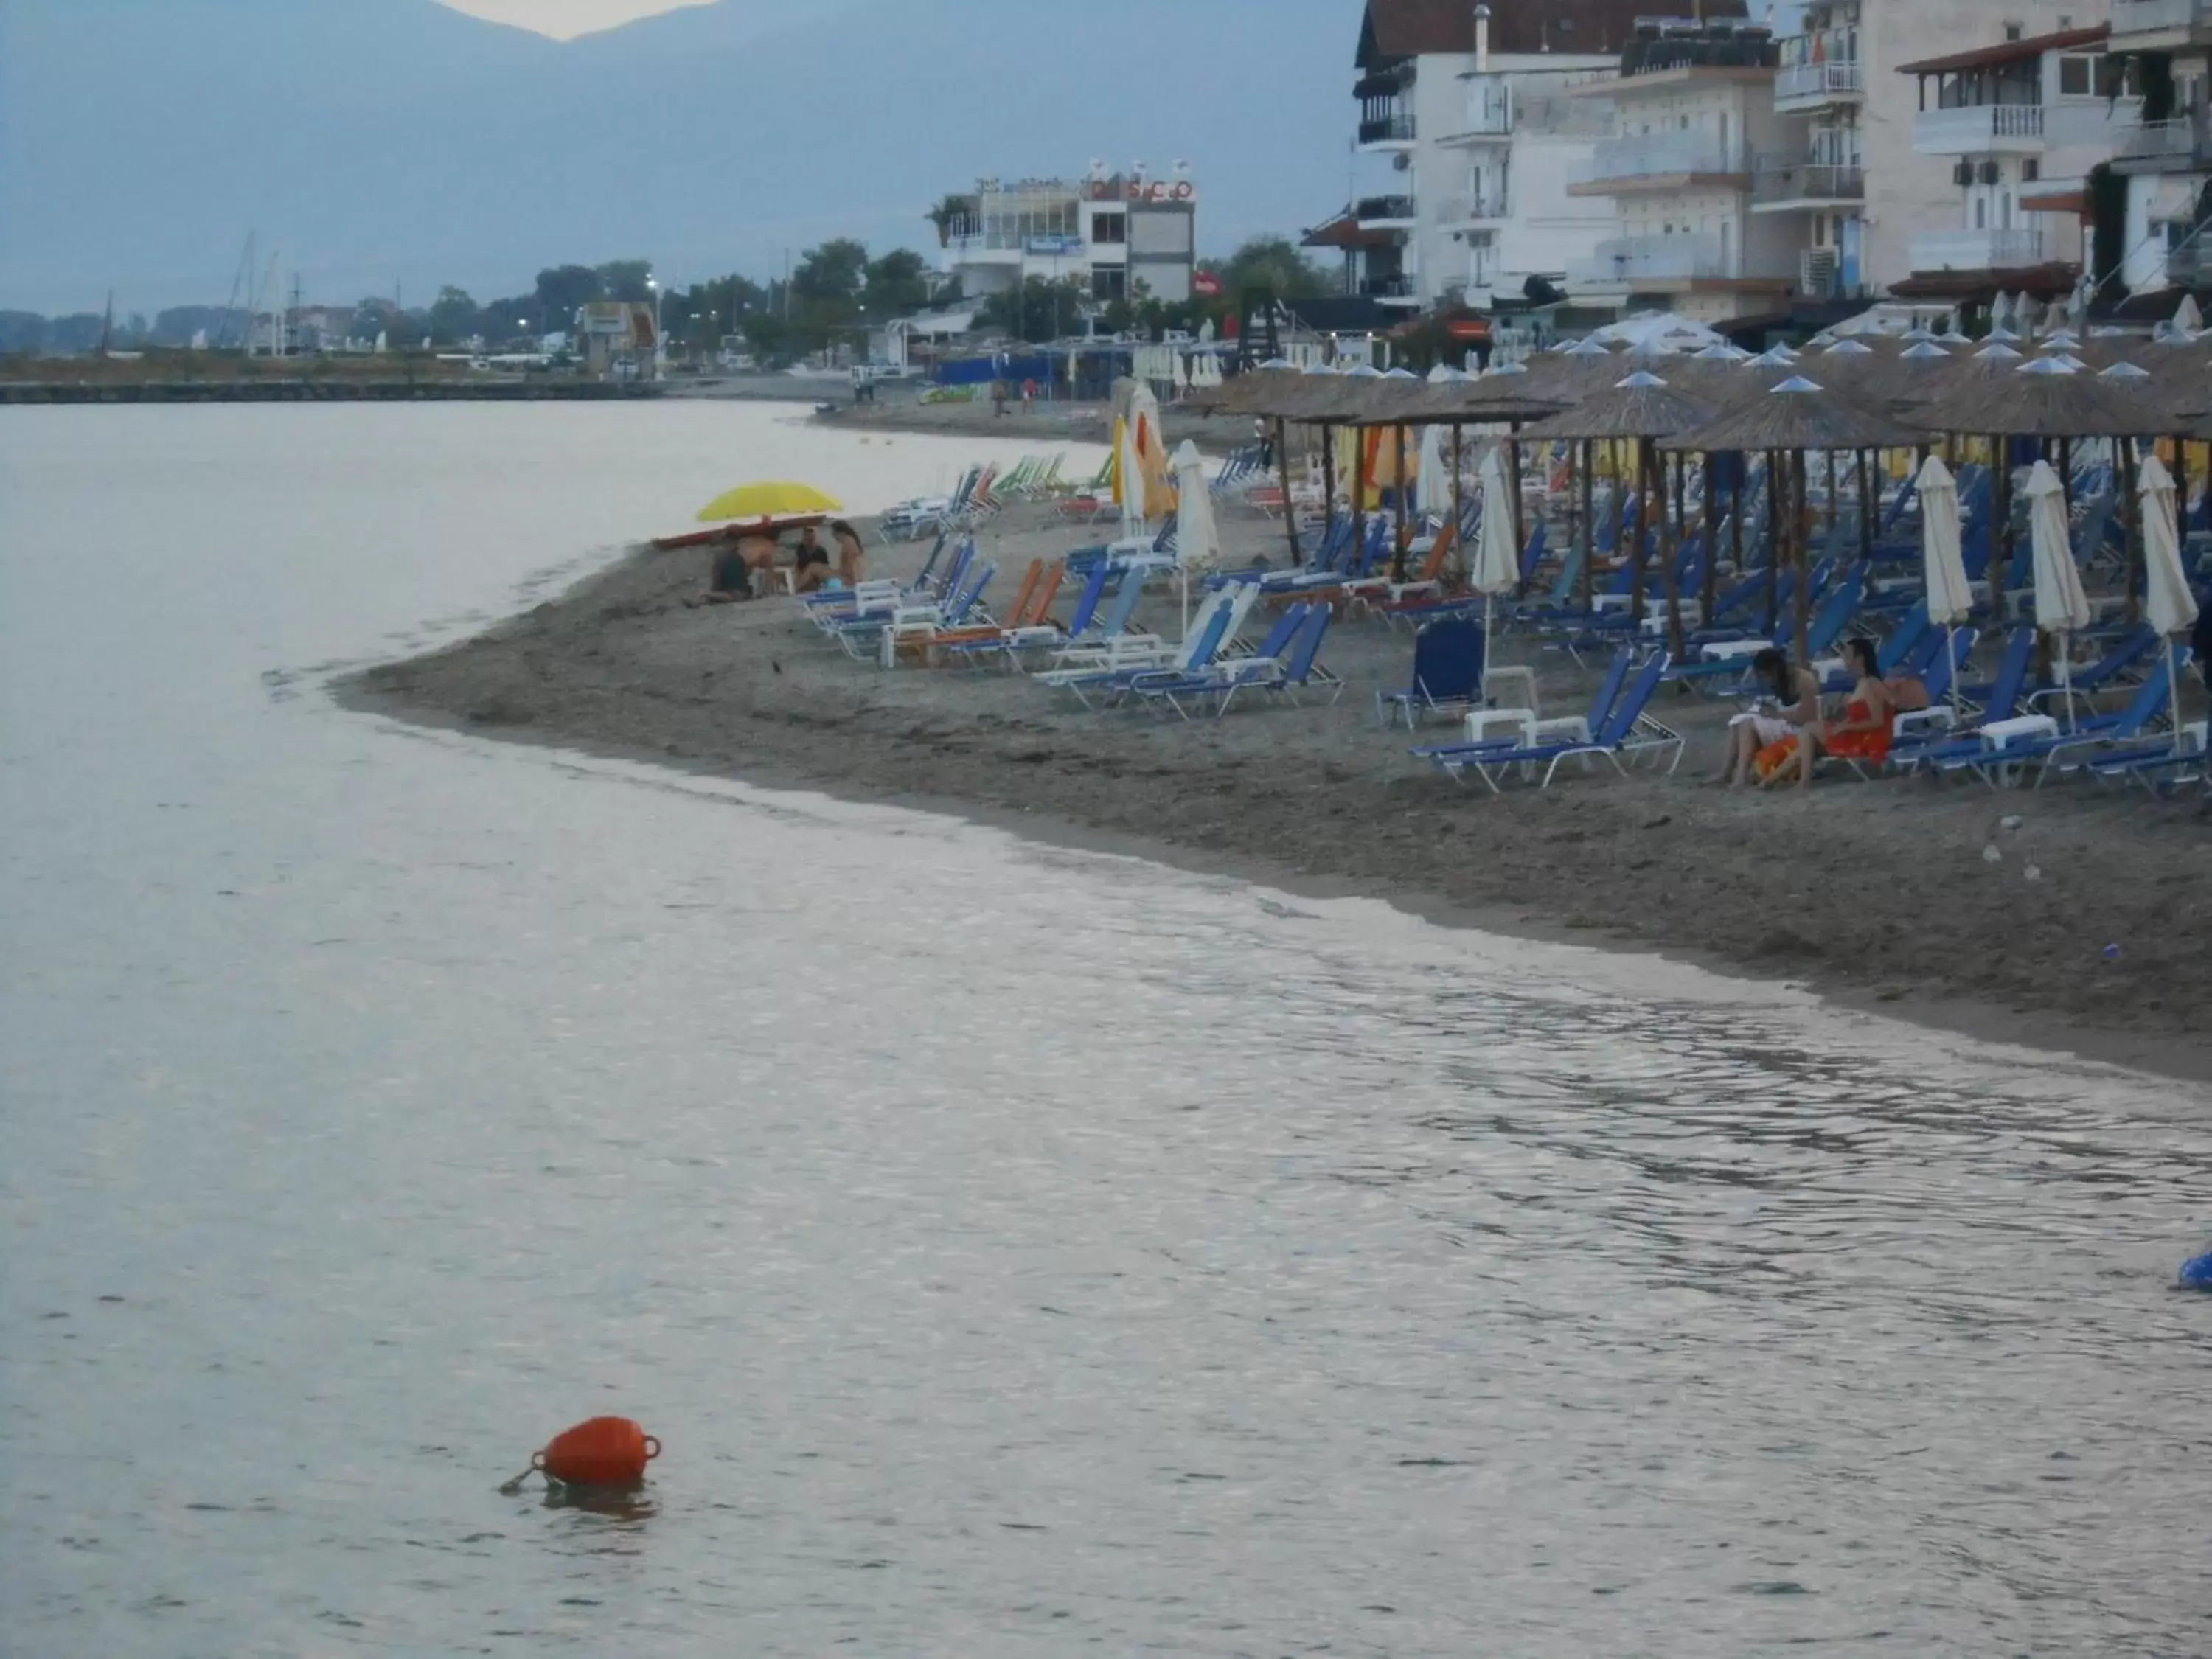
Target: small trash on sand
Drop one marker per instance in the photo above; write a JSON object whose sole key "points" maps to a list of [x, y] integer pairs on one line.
{"points": [[2033, 872], [2112, 953], [1990, 855], [2009, 821]]}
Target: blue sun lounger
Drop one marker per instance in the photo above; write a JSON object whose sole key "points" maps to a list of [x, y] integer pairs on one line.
{"points": [[1627, 729], [1454, 757]]}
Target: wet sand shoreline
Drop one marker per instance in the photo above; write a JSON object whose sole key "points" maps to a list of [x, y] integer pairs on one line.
{"points": [[1880, 897]]}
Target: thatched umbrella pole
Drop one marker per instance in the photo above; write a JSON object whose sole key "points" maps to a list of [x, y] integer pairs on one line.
{"points": [[1513, 478], [1866, 510], [1282, 468], [1800, 519], [1735, 515], [1359, 484], [2131, 522], [1643, 483], [1712, 542], [2066, 469], [1398, 505], [1828, 527], [1328, 476], [2001, 510], [1778, 486], [1672, 577], [1589, 525], [1459, 510], [2181, 480]]}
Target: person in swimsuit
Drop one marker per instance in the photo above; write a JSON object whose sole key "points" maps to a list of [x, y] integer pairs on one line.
{"points": [[1795, 702], [1863, 734], [810, 564], [851, 556]]}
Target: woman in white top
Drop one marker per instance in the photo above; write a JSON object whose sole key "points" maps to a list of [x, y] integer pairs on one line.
{"points": [[1795, 703]]}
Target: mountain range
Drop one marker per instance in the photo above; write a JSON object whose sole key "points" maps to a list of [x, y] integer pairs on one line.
{"points": [[375, 143]]}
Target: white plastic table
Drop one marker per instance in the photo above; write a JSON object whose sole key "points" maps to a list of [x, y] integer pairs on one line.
{"points": [[1484, 723], [1518, 679]]}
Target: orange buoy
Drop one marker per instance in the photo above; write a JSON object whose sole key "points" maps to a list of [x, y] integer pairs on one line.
{"points": [[607, 1451]]}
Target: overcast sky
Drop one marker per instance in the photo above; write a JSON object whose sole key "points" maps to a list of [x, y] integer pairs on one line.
{"points": [[564, 18]]}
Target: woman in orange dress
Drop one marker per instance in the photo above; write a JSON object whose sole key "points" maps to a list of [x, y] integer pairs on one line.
{"points": [[1863, 734]]}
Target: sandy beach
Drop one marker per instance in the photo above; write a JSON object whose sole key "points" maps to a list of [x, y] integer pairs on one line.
{"points": [[1884, 896]]}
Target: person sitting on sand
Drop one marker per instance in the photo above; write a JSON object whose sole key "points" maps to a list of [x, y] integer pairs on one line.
{"points": [[732, 580], [1863, 734], [1795, 702], [851, 556], [810, 564]]}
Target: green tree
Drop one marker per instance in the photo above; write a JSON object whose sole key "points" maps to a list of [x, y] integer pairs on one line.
{"points": [[1269, 262], [945, 212], [831, 274], [1037, 311], [897, 284], [626, 279], [455, 317], [565, 289]]}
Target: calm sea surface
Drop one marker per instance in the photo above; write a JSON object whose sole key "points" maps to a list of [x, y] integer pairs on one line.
{"points": [[1020, 1252]]}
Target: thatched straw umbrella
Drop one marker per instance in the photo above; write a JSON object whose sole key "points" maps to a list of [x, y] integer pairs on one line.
{"points": [[1797, 416], [2043, 399], [1459, 402], [1642, 407]]}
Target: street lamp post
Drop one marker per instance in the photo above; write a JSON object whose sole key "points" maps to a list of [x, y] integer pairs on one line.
{"points": [[659, 345]]}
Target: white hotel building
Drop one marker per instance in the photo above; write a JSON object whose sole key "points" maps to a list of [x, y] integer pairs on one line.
{"points": [[1466, 140]]}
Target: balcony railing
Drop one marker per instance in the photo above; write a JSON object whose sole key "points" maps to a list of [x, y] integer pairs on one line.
{"points": [[1387, 287], [1777, 179], [2145, 16], [1974, 128], [1829, 79], [1638, 261], [1664, 155], [2185, 142], [1371, 209], [1490, 113], [1463, 210], [1977, 250], [1387, 129], [2191, 264]]}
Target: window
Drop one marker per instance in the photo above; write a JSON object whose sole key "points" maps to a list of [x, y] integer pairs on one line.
{"points": [[1981, 213], [2013, 31], [2031, 169], [1111, 229], [1109, 282], [2079, 74]]}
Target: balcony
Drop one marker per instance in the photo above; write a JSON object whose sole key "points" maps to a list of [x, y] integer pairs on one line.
{"points": [[1489, 206], [1979, 129], [1977, 250], [1389, 290], [2161, 25], [1656, 161], [2189, 265], [1385, 213], [1393, 130], [1780, 185], [2183, 145], [1801, 86], [1664, 264]]}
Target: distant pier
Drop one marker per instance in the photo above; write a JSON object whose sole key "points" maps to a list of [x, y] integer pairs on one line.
{"points": [[305, 389]]}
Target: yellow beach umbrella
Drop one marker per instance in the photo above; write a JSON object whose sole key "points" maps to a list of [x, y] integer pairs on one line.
{"points": [[772, 500]]}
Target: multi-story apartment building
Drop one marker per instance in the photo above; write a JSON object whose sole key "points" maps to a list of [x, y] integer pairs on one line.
{"points": [[1111, 231], [1692, 106], [1466, 140], [2019, 124], [2168, 161]]}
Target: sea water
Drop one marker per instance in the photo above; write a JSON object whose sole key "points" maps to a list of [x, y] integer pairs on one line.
{"points": [[1019, 1251]]}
